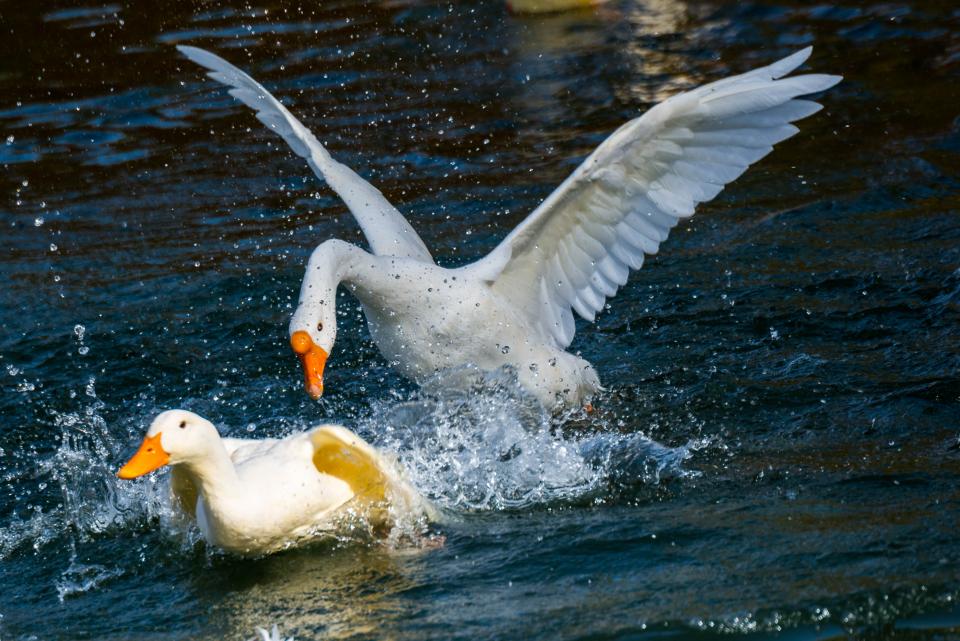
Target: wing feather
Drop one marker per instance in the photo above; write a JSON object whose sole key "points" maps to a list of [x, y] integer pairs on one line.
{"points": [[576, 249], [385, 228]]}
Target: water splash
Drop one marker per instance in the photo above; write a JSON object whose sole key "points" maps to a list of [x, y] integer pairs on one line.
{"points": [[479, 443], [81, 498], [80, 577], [468, 441]]}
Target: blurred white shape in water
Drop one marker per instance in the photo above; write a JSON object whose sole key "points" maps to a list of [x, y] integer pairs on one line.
{"points": [[273, 635], [79, 578]]}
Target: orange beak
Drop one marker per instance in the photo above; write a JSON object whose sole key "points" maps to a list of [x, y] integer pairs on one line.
{"points": [[149, 457], [313, 359]]}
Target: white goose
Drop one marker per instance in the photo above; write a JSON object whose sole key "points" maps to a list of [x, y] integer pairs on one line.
{"points": [[258, 496], [514, 307]]}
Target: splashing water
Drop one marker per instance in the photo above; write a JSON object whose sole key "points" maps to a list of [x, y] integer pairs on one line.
{"points": [[473, 444], [80, 577], [84, 498], [478, 444]]}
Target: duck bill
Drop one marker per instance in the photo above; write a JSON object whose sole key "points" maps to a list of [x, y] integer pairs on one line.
{"points": [[148, 458], [313, 358]]}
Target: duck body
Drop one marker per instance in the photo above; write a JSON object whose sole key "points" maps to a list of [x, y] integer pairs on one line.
{"points": [[293, 500], [425, 319], [256, 497], [515, 306]]}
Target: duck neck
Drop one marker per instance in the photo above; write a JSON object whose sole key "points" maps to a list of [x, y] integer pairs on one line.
{"points": [[214, 473], [332, 263]]}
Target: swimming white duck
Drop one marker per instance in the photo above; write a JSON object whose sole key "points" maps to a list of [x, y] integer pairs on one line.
{"points": [[258, 496], [514, 307]]}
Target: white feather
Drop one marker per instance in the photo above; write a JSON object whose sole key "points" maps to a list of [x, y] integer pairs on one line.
{"points": [[573, 251], [385, 228]]}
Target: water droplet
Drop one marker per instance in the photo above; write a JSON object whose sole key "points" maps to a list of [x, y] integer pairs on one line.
{"points": [[38, 221]]}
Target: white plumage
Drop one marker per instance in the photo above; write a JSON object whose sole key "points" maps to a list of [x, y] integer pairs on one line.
{"points": [[385, 228], [577, 247], [570, 255], [253, 496]]}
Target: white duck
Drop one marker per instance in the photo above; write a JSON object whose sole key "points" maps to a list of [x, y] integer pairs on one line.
{"points": [[514, 307], [258, 496]]}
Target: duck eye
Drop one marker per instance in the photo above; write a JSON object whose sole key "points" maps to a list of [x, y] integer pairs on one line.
{"points": [[183, 424], [319, 327]]}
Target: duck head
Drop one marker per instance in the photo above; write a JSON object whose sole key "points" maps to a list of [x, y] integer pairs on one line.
{"points": [[175, 436], [313, 330]]}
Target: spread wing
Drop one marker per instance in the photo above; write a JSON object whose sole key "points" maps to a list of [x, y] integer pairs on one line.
{"points": [[385, 228], [579, 245]]}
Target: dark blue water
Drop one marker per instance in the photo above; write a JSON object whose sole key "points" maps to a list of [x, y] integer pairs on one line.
{"points": [[779, 448]]}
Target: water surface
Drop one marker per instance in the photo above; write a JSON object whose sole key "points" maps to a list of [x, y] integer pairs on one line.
{"points": [[779, 448]]}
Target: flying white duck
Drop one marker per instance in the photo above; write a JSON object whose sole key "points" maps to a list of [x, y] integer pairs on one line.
{"points": [[514, 307], [259, 496]]}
